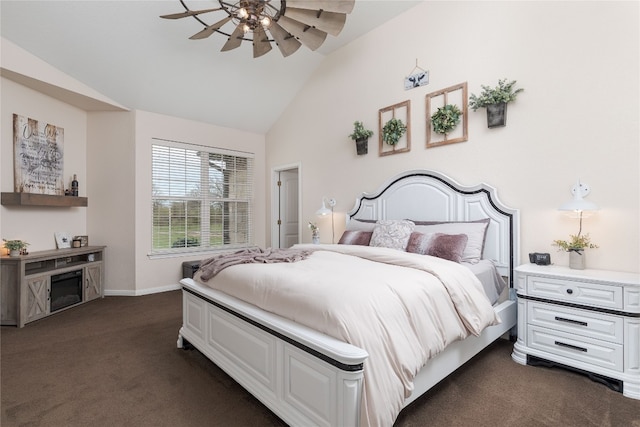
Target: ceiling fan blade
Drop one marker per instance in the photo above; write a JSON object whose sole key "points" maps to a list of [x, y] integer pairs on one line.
{"points": [[310, 37], [326, 5], [210, 29], [285, 41], [235, 39], [261, 43], [188, 13], [329, 22]]}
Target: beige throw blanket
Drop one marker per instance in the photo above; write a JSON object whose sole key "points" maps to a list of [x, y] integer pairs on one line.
{"points": [[212, 266], [402, 308]]}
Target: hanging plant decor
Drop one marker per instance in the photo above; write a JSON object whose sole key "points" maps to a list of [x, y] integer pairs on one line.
{"points": [[393, 131], [361, 136], [495, 100], [447, 115], [446, 119]]}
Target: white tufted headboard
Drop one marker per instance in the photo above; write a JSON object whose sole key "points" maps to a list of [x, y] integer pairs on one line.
{"points": [[424, 195]]}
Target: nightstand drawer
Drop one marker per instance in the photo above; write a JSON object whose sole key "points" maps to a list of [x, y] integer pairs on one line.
{"points": [[575, 348], [576, 292], [575, 321]]}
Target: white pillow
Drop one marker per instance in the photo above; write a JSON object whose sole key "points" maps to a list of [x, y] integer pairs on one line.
{"points": [[392, 233], [357, 225], [476, 232]]}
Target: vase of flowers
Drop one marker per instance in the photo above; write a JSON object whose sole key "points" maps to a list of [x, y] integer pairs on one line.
{"points": [[576, 245], [315, 233]]}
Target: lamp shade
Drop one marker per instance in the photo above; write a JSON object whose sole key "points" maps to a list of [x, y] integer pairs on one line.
{"points": [[577, 202], [324, 211]]}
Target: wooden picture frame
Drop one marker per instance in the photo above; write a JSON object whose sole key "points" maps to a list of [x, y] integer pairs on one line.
{"points": [[402, 111], [456, 95]]}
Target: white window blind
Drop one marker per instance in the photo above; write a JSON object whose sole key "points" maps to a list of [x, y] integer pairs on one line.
{"points": [[202, 198]]}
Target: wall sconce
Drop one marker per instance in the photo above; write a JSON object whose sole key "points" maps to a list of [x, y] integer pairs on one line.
{"points": [[577, 203], [324, 211], [577, 243]]}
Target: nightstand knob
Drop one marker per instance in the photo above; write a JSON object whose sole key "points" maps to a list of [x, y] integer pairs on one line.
{"points": [[569, 291]]}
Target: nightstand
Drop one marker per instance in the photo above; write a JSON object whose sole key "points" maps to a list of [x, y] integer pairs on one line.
{"points": [[584, 320]]}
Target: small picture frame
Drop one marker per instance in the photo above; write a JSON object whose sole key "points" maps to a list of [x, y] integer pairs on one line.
{"points": [[63, 239], [84, 240]]}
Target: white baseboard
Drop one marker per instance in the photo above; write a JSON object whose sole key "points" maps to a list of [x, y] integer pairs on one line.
{"points": [[128, 293]]}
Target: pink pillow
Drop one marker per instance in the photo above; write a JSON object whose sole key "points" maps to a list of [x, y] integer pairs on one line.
{"points": [[419, 243], [448, 246], [353, 237]]}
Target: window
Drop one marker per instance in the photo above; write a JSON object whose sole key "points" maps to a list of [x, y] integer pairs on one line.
{"points": [[202, 198]]}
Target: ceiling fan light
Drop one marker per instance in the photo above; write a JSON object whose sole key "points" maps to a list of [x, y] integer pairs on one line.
{"points": [[242, 13], [309, 23]]}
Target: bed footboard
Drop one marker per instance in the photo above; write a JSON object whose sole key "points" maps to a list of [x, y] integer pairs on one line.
{"points": [[304, 377]]}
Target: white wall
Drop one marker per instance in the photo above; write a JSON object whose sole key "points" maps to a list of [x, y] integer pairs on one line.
{"points": [[120, 151], [37, 225], [111, 189], [577, 118], [109, 150], [151, 274]]}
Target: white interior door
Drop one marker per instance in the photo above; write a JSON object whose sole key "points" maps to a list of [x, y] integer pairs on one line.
{"points": [[288, 221]]}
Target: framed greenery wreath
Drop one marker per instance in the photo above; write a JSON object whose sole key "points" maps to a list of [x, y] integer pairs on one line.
{"points": [[446, 119], [447, 124], [393, 130]]}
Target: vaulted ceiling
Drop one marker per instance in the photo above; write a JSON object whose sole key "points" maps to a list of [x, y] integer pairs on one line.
{"points": [[125, 51]]}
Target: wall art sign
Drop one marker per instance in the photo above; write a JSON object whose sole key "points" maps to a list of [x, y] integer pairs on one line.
{"points": [[416, 78], [38, 150]]}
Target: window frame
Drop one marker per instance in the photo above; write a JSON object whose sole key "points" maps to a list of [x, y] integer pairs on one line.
{"points": [[204, 198]]}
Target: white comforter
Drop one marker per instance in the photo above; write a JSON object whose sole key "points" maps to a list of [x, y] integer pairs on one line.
{"points": [[401, 308]]}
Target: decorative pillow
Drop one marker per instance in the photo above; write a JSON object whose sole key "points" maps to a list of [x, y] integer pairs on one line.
{"points": [[350, 237], [419, 243], [392, 234], [476, 232], [361, 225], [448, 246]]}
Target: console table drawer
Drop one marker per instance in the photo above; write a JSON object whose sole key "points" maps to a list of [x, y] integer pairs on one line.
{"points": [[575, 348], [576, 292], [575, 321]]}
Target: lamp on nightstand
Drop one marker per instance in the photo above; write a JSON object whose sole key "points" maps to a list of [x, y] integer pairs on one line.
{"points": [[578, 242], [324, 211], [577, 203]]}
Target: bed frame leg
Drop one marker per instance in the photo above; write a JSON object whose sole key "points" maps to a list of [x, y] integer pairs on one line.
{"points": [[180, 341], [183, 343]]}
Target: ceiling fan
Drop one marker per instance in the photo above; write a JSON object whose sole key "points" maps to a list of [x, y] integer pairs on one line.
{"points": [[290, 23]]}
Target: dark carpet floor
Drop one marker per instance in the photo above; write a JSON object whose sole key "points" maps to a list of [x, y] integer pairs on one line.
{"points": [[114, 362]]}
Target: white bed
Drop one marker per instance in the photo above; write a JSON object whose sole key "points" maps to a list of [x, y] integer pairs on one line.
{"points": [[309, 378]]}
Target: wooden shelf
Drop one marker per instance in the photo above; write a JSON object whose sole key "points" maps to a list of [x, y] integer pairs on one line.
{"points": [[32, 199]]}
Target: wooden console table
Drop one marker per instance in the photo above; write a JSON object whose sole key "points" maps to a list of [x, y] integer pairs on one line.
{"points": [[26, 282]]}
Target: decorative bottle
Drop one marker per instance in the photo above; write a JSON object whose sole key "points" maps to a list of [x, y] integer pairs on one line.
{"points": [[74, 186]]}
